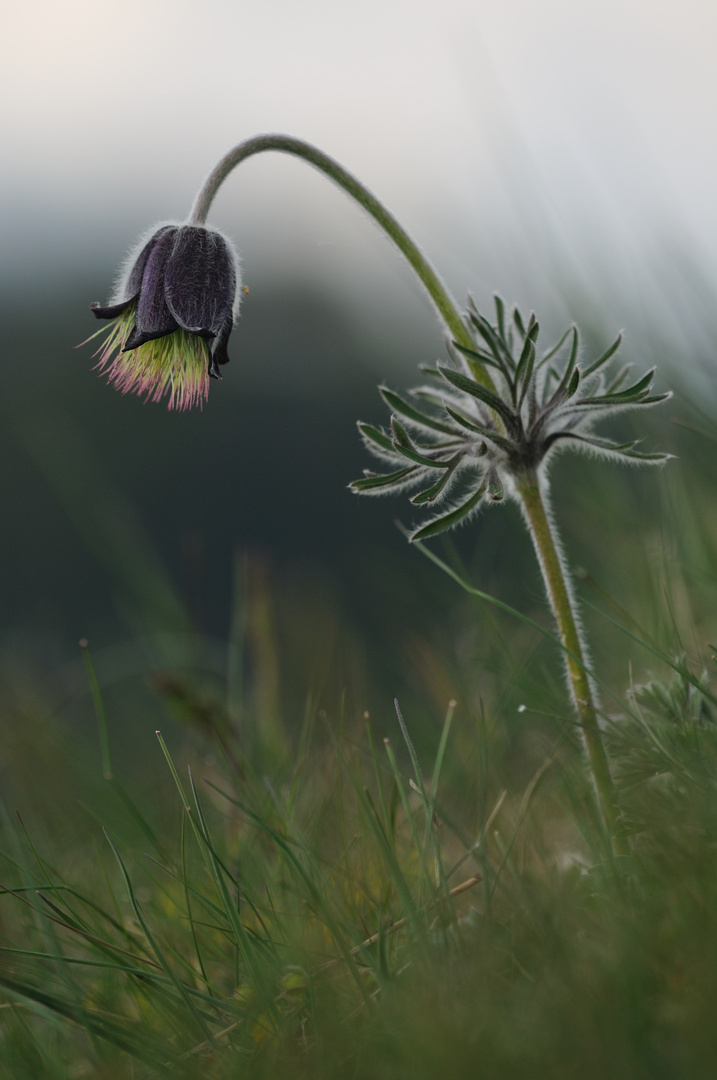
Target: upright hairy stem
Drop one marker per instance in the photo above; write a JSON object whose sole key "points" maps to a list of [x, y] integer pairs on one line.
{"points": [[528, 488], [562, 602], [286, 144]]}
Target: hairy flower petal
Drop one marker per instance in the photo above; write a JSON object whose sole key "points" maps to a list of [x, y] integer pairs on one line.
{"points": [[172, 311], [133, 282], [200, 280], [109, 312], [153, 318], [219, 348]]}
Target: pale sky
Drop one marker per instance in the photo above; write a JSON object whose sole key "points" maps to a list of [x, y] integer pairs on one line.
{"points": [[490, 128]]}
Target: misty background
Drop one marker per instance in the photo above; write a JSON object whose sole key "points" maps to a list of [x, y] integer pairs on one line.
{"points": [[562, 154]]}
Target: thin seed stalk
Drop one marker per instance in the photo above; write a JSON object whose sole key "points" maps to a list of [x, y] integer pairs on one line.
{"points": [[533, 501]]}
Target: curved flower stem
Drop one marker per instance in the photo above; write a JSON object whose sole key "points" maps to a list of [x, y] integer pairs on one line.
{"points": [[529, 491], [286, 144], [534, 504]]}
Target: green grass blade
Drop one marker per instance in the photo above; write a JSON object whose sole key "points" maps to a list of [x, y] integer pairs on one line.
{"points": [[154, 945]]}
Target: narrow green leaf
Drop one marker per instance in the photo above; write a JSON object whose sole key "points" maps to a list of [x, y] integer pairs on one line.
{"points": [[481, 356], [595, 440], [625, 450], [655, 399], [400, 435], [373, 483], [525, 371], [447, 521], [609, 401], [555, 349], [574, 348], [574, 383], [404, 446], [607, 355], [561, 390], [487, 433], [375, 435], [420, 459], [399, 405], [517, 319], [619, 379], [469, 386], [432, 493], [500, 314], [639, 387], [616, 404], [530, 339], [496, 345], [465, 421], [657, 457], [428, 395]]}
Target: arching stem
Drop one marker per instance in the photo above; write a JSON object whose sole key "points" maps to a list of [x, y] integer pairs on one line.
{"points": [[286, 144]]}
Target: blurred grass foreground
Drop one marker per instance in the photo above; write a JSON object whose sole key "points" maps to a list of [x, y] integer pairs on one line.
{"points": [[299, 876]]}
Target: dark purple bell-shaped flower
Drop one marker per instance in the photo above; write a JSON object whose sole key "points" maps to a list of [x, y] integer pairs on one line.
{"points": [[174, 308]]}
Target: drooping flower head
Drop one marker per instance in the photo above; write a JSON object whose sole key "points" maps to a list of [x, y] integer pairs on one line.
{"points": [[172, 311]]}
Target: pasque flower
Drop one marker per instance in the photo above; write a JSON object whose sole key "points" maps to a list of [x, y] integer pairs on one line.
{"points": [[172, 313], [489, 423]]}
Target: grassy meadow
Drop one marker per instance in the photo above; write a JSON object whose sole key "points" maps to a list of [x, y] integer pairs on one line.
{"points": [[344, 828]]}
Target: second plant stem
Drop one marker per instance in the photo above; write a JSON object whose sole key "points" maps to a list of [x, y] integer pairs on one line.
{"points": [[533, 500]]}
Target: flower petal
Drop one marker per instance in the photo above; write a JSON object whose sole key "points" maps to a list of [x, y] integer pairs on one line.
{"points": [[153, 318], [219, 354], [110, 312], [133, 282], [200, 281]]}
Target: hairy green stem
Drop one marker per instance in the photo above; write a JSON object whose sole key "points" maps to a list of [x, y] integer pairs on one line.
{"points": [[534, 503], [286, 144]]}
